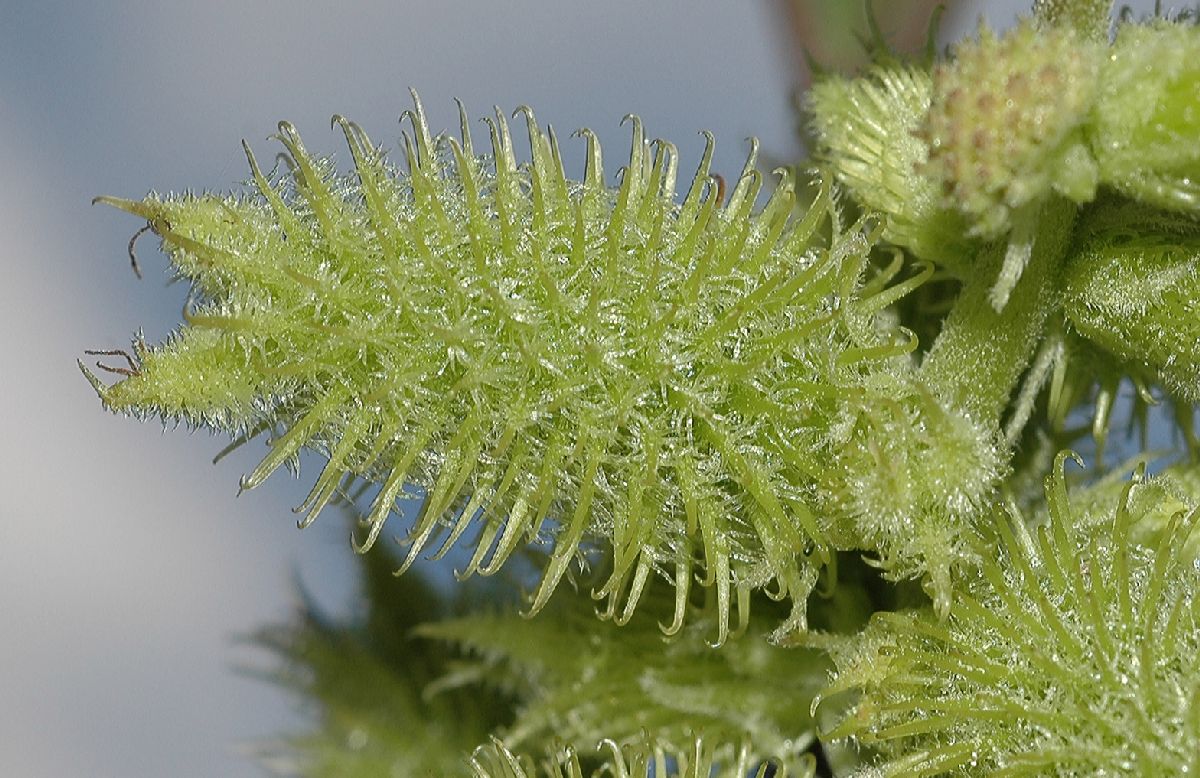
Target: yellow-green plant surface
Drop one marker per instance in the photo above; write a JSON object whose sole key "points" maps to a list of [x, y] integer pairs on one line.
{"points": [[693, 401]]}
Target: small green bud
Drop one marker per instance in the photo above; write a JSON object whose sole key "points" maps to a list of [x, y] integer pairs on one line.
{"points": [[1134, 289], [1146, 130], [914, 477], [1005, 122], [867, 129]]}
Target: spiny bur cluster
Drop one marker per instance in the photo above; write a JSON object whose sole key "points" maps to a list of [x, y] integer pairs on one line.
{"points": [[576, 676], [1074, 654], [1049, 109], [696, 408], [700, 386]]}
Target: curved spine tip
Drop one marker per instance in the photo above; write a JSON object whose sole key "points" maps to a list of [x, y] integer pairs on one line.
{"points": [[368, 542], [534, 133], [94, 380], [416, 117], [752, 155], [700, 180], [527, 111], [250, 158], [288, 134], [594, 168], [669, 152], [1060, 460], [136, 207], [464, 128], [786, 176]]}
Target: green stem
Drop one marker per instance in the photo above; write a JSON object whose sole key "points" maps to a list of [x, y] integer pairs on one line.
{"points": [[979, 356]]}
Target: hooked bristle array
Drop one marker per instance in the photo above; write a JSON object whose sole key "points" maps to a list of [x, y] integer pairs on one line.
{"points": [[541, 359], [1075, 653]]}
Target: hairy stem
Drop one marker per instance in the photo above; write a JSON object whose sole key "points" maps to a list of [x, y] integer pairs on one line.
{"points": [[980, 354]]}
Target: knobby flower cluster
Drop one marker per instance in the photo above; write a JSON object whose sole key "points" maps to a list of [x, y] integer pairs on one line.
{"points": [[770, 467]]}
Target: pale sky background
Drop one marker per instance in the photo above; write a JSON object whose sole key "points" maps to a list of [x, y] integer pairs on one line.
{"points": [[127, 565]]}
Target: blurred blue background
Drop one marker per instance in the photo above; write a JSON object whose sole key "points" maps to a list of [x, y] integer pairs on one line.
{"points": [[127, 566]]}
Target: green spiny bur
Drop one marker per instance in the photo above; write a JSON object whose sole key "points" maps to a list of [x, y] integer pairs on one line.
{"points": [[365, 683], [1146, 121], [693, 383], [868, 130], [1076, 653], [1133, 287], [701, 759], [575, 676], [1157, 499]]}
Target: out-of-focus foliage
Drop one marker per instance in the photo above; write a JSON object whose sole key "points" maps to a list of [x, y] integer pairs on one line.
{"points": [[577, 676], [364, 684]]}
